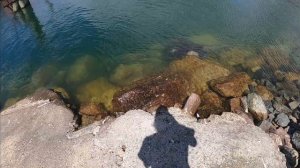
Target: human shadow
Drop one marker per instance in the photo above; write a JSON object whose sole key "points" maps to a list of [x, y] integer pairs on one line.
{"points": [[168, 148]]}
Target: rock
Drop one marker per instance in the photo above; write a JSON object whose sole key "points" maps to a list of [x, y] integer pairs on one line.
{"points": [[235, 56], [33, 133], [87, 120], [92, 109], [233, 85], [296, 114], [294, 104], [244, 102], [97, 91], [265, 125], [122, 142], [62, 92], [289, 76], [198, 72], [211, 103], [291, 155], [257, 107], [205, 39], [10, 101], [296, 139], [235, 105], [151, 93], [179, 48], [281, 108], [264, 93], [126, 74], [192, 53], [192, 104], [276, 138], [282, 120], [293, 119]]}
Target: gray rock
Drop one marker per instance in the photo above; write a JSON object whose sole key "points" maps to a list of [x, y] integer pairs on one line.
{"points": [[281, 108], [265, 125], [257, 107], [298, 84], [296, 114], [34, 134], [294, 104], [291, 155], [282, 120], [296, 139]]}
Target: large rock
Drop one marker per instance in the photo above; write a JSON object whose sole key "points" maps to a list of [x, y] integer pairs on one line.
{"points": [[233, 85], [211, 103], [198, 72], [150, 93], [35, 134]]}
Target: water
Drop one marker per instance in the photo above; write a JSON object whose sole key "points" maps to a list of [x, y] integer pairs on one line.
{"points": [[81, 45]]}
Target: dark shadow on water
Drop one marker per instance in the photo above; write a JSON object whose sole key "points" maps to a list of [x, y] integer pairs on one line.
{"points": [[168, 148]]}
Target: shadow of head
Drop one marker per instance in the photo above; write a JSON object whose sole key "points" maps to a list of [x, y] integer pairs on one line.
{"points": [[168, 147]]}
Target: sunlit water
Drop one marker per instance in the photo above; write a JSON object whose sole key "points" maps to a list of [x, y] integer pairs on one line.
{"points": [[73, 42]]}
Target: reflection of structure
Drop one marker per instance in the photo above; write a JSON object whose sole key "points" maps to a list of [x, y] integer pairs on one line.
{"points": [[15, 5]]}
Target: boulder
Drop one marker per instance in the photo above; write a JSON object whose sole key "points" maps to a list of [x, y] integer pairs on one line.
{"points": [[257, 107], [211, 103], [198, 72], [236, 105], [233, 85], [150, 93]]}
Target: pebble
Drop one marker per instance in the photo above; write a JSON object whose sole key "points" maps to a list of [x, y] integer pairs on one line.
{"points": [[294, 104], [257, 107], [296, 139], [282, 120]]}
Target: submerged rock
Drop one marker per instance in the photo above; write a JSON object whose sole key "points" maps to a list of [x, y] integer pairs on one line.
{"points": [[45, 75], [150, 93], [234, 56], [233, 85], [264, 93], [257, 107], [198, 72], [97, 91], [205, 40]]}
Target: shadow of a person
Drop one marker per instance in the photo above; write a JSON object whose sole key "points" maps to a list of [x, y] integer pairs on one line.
{"points": [[168, 148]]}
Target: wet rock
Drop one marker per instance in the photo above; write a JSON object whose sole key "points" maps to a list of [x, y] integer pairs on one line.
{"points": [[192, 53], [264, 93], [257, 107], [97, 91], [91, 108], [80, 70], [233, 85], [205, 40], [211, 103], [47, 94], [198, 72], [44, 76], [62, 92], [179, 48], [10, 101], [192, 104], [282, 120], [126, 74], [235, 105], [291, 155], [154, 91], [296, 139], [281, 108], [294, 104], [87, 120], [234, 56]]}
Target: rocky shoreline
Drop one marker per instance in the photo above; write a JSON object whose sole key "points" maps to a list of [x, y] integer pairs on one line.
{"points": [[264, 96]]}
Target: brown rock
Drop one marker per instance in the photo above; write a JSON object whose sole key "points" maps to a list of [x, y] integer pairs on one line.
{"points": [[92, 109], [87, 120], [264, 92], [236, 105], [192, 104], [211, 103], [166, 90], [233, 85], [198, 72]]}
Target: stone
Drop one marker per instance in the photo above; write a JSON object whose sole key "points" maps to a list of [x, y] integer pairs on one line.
{"points": [[197, 72], [296, 139], [193, 53], [211, 103], [92, 109], [257, 107], [179, 48], [150, 93], [233, 85], [235, 105], [294, 104], [265, 125], [282, 120], [97, 91], [205, 39], [44, 76], [234, 56], [192, 104], [291, 155], [296, 114], [281, 108], [264, 93], [10, 101], [87, 120], [244, 102]]}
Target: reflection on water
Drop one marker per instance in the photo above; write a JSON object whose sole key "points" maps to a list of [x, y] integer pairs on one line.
{"points": [[73, 44]]}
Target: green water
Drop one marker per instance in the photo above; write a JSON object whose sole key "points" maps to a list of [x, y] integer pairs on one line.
{"points": [[101, 45]]}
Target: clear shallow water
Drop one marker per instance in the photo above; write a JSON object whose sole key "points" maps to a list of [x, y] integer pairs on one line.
{"points": [[72, 42]]}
